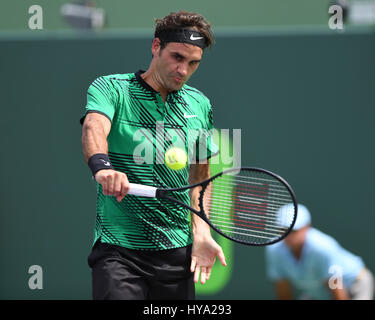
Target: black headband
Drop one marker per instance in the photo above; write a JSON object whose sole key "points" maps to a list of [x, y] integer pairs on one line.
{"points": [[183, 35]]}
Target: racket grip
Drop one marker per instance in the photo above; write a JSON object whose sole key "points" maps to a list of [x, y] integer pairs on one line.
{"points": [[142, 190]]}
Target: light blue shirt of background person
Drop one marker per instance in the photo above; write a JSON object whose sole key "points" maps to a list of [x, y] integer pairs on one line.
{"points": [[322, 258]]}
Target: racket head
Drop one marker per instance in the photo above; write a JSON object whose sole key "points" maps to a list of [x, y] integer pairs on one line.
{"points": [[248, 205]]}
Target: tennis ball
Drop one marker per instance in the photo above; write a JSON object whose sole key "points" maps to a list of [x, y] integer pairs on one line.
{"points": [[175, 158]]}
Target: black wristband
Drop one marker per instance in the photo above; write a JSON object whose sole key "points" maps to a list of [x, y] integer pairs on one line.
{"points": [[98, 162]]}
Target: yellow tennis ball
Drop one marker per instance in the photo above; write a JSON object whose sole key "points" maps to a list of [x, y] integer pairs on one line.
{"points": [[175, 158]]}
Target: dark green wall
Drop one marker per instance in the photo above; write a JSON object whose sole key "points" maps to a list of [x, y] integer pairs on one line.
{"points": [[141, 14], [304, 102]]}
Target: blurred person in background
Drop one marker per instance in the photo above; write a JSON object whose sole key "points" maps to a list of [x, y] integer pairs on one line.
{"points": [[310, 264]]}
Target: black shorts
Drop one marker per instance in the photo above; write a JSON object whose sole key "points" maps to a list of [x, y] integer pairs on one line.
{"points": [[119, 273]]}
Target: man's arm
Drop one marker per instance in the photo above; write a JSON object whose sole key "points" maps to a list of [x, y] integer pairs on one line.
{"points": [[283, 290], [205, 249], [198, 173], [338, 293], [95, 130]]}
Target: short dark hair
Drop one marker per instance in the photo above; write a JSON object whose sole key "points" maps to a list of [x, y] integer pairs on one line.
{"points": [[185, 19]]}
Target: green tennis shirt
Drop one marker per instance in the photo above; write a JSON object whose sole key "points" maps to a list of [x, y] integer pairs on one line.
{"points": [[143, 127]]}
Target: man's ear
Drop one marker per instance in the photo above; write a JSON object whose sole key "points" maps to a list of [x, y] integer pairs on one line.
{"points": [[155, 48]]}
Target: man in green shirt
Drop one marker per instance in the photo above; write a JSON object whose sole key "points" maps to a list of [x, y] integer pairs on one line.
{"points": [[146, 248]]}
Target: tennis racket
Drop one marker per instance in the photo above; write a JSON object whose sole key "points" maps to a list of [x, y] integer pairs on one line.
{"points": [[251, 206]]}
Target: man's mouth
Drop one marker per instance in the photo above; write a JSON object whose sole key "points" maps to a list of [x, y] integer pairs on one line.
{"points": [[178, 79]]}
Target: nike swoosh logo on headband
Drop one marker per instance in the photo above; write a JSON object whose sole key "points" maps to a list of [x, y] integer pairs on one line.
{"points": [[195, 38]]}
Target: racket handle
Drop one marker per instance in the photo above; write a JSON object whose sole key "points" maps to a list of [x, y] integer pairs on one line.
{"points": [[142, 190]]}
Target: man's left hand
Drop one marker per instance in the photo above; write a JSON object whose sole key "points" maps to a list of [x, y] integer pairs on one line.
{"points": [[203, 256]]}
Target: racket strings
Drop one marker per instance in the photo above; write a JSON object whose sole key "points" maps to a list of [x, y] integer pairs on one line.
{"points": [[254, 202], [250, 189], [248, 206], [256, 223]]}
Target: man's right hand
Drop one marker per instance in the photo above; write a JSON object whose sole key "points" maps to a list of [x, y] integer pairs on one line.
{"points": [[114, 183]]}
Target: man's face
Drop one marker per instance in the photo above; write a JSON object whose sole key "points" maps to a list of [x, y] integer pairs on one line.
{"points": [[175, 63], [297, 237]]}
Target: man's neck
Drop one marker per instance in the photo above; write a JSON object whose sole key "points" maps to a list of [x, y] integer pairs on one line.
{"points": [[153, 81], [297, 251]]}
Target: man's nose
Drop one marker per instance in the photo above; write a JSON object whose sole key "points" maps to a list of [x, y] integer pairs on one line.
{"points": [[182, 69]]}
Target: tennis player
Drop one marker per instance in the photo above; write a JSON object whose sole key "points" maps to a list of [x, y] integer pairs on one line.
{"points": [[147, 248], [310, 264]]}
